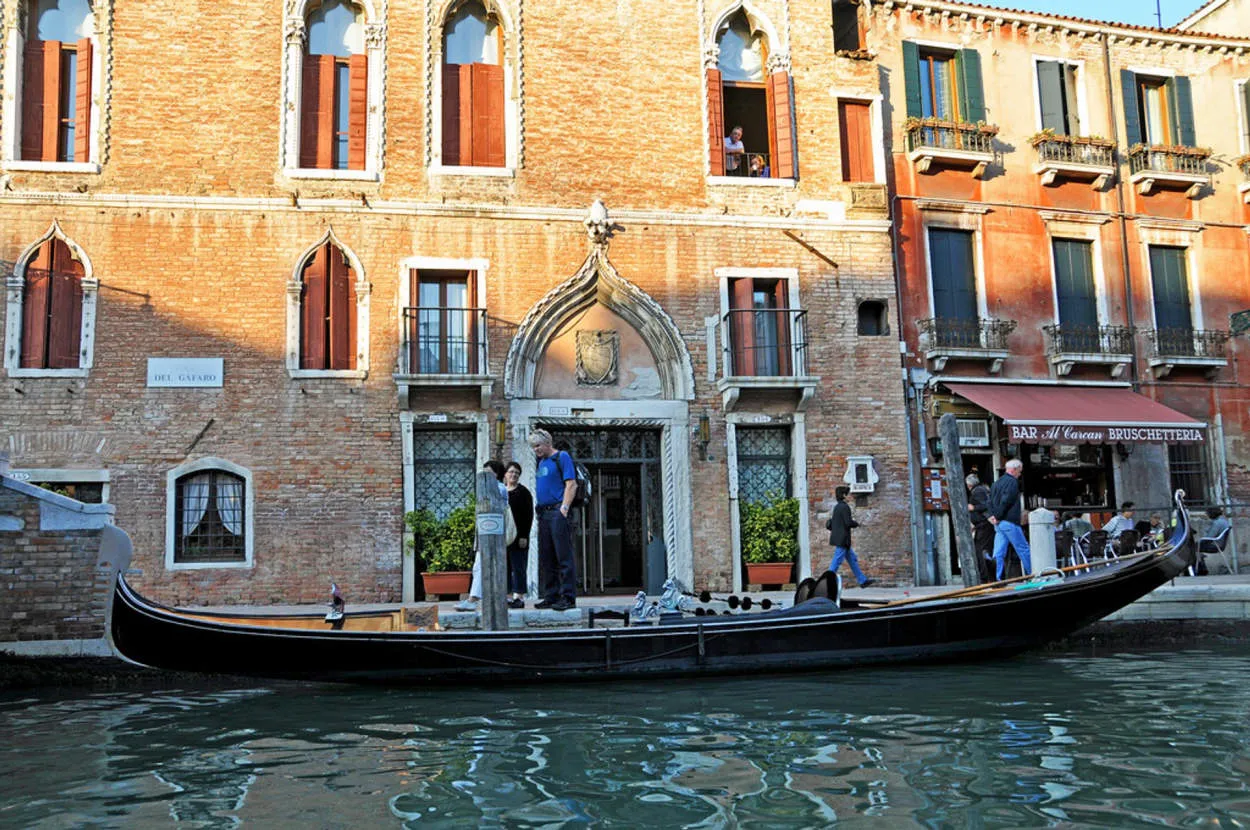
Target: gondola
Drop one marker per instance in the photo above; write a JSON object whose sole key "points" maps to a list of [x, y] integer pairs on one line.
{"points": [[971, 624]]}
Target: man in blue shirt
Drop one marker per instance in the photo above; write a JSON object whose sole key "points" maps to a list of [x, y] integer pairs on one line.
{"points": [[555, 487], [1005, 516]]}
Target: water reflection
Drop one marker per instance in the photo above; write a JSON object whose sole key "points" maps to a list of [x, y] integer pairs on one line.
{"points": [[1038, 741]]}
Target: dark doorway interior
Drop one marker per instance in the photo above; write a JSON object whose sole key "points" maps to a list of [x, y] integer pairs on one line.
{"points": [[746, 106]]}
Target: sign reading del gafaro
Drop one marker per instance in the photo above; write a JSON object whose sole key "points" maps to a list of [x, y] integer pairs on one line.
{"points": [[1068, 434]]}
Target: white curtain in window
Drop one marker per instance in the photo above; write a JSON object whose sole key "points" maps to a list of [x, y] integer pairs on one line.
{"points": [[194, 501], [230, 503]]}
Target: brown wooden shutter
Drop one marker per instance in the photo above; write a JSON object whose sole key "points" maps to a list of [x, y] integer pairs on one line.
{"points": [[82, 103], [32, 102], [488, 116], [742, 326], [35, 299], [412, 320], [715, 124], [465, 119], [313, 312], [310, 107], [856, 135], [342, 309], [781, 297], [358, 118], [451, 114], [781, 133], [65, 309], [474, 332]]}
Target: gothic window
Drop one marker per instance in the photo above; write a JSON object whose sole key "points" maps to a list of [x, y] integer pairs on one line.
{"points": [[335, 89], [474, 131], [56, 82], [328, 311], [50, 317]]}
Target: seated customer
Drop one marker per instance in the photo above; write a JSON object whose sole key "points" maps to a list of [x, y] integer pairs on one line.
{"points": [[1219, 524], [1121, 522], [1077, 523]]}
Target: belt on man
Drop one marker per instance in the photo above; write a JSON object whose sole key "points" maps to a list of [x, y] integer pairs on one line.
{"points": [[546, 508]]}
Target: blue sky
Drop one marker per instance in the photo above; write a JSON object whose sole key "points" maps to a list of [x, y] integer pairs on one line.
{"points": [[1138, 12]]}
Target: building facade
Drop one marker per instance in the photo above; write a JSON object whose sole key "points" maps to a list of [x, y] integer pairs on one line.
{"points": [[1070, 209], [279, 273]]}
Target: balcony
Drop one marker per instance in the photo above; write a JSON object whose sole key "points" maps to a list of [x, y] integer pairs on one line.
{"points": [[1110, 346], [1153, 166], [931, 140], [1190, 348], [443, 347], [1243, 165], [1074, 158], [767, 350], [943, 339]]}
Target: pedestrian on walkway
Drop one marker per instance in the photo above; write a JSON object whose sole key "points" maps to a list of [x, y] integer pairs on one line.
{"points": [[554, 489], [982, 530], [1005, 516], [839, 526], [496, 469], [521, 503]]}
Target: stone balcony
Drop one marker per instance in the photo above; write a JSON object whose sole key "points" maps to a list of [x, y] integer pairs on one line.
{"points": [[1187, 348], [444, 348], [1062, 157], [945, 339], [765, 350], [950, 144], [1155, 166], [1070, 345]]}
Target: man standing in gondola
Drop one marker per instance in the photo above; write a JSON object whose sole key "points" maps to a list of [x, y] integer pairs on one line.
{"points": [[1005, 516]]}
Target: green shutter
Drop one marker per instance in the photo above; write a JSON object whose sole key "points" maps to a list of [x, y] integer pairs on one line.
{"points": [[1181, 99], [1132, 117], [951, 272], [1050, 89], [1170, 284], [1074, 282], [971, 92], [1245, 115], [911, 78]]}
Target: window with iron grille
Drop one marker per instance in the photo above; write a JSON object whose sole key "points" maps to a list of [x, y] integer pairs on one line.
{"points": [[763, 463], [1188, 471], [209, 520], [443, 466]]}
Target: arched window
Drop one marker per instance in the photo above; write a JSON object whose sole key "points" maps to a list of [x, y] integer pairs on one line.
{"points": [[474, 122], [210, 519], [52, 300], [335, 90], [56, 82], [328, 311], [750, 120]]}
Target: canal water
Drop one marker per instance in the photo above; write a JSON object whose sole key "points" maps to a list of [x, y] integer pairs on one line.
{"points": [[1051, 739]]}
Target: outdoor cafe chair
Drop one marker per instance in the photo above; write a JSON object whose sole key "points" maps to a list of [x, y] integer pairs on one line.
{"points": [[1093, 545], [1214, 544], [1065, 548]]}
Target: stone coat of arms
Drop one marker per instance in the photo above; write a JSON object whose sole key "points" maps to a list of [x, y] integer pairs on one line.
{"points": [[597, 356]]}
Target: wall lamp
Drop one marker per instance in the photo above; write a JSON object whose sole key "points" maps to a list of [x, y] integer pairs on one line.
{"points": [[705, 434], [501, 431]]}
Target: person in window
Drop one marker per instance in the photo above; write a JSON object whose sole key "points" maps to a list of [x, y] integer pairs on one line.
{"points": [[521, 503], [759, 168], [1120, 522], [734, 152]]}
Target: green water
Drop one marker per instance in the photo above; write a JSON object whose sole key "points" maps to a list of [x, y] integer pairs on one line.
{"points": [[1045, 740]]}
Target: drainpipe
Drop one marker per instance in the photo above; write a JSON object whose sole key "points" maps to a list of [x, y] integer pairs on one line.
{"points": [[1120, 211]]}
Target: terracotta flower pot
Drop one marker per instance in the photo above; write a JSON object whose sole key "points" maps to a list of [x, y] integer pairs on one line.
{"points": [[769, 573], [447, 582]]}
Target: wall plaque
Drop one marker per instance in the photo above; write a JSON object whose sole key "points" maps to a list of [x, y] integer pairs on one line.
{"points": [[186, 371], [597, 354]]}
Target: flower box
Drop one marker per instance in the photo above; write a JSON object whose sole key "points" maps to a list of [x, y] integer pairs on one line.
{"points": [[447, 582], [769, 573]]}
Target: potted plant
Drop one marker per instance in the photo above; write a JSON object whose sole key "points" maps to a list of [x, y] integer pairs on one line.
{"points": [[770, 538], [446, 545]]}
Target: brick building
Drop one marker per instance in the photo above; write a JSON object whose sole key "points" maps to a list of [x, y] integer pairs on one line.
{"points": [[277, 273], [1071, 219]]}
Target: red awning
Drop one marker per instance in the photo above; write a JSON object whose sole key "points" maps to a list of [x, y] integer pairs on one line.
{"points": [[1036, 414]]}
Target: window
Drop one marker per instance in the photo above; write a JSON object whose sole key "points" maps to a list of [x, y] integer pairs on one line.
{"points": [[760, 327], [1169, 281], [56, 82], [333, 113], [872, 320], [763, 462], [1076, 299], [945, 85], [52, 306], [750, 113], [953, 274], [444, 464], [444, 331], [847, 36], [1243, 93], [1057, 92], [209, 518], [1157, 110], [1187, 470], [328, 311], [474, 130], [855, 124]]}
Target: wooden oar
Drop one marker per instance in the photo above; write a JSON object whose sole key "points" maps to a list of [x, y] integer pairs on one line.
{"points": [[973, 590]]}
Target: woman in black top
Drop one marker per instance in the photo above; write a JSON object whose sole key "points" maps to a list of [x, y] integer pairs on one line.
{"points": [[521, 503]]}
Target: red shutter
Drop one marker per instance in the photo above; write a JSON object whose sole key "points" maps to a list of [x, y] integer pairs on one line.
{"points": [[51, 115], [451, 114], [488, 118], [35, 298], [325, 113], [474, 334], [65, 325], [358, 71], [313, 312], [82, 104], [715, 124], [742, 326], [466, 114], [781, 132], [310, 106], [413, 322], [342, 311], [32, 102], [781, 297], [856, 136]]}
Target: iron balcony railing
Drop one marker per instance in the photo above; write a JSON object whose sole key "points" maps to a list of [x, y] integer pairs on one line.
{"points": [[766, 342], [1187, 343], [443, 341], [1186, 161], [1088, 339], [965, 137], [1076, 152], [955, 333]]}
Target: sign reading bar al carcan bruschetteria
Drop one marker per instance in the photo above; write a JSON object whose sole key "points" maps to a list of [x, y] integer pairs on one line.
{"points": [[1128, 434]]}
